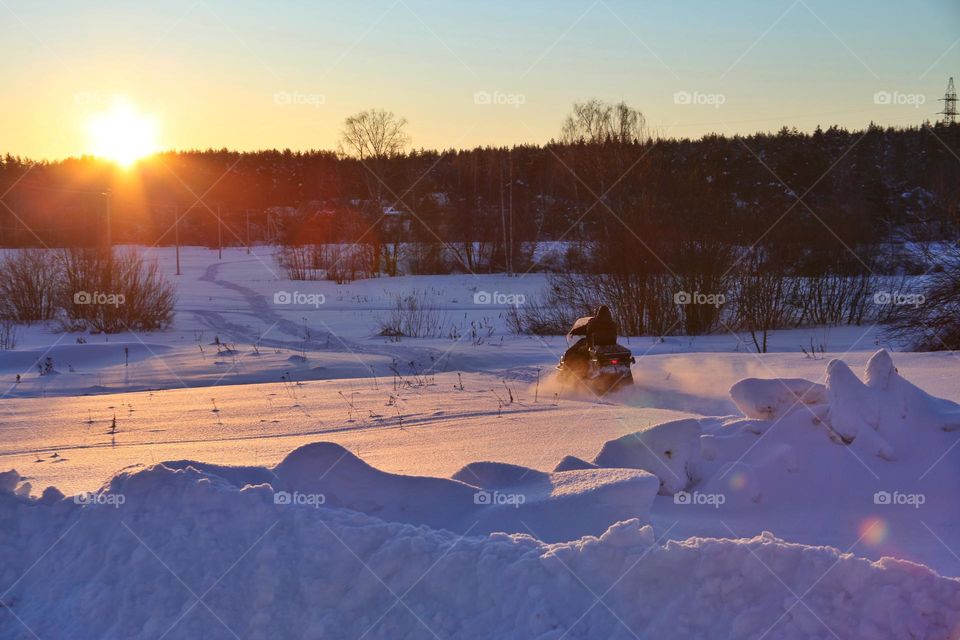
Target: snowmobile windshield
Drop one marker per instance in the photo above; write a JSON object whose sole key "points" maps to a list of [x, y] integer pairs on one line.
{"points": [[579, 327]]}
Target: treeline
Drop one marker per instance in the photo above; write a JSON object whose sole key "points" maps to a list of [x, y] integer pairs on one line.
{"points": [[749, 234], [813, 196]]}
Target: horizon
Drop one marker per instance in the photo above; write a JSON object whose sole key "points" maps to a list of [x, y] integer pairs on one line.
{"points": [[653, 139], [251, 78]]}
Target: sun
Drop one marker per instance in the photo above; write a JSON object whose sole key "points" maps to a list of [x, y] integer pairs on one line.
{"points": [[121, 134]]}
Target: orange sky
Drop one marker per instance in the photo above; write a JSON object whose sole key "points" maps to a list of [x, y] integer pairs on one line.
{"points": [[249, 75]]}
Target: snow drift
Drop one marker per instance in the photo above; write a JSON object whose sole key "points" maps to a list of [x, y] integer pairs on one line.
{"points": [[796, 426], [483, 497], [187, 553]]}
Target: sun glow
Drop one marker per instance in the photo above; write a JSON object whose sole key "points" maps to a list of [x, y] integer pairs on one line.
{"points": [[121, 134]]}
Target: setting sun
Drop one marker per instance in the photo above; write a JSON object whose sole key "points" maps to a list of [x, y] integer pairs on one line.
{"points": [[121, 134]]}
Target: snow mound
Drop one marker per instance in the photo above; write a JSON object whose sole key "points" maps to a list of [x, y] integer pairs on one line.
{"points": [[556, 506], [664, 450], [497, 475], [9, 480], [573, 463], [769, 399], [837, 449], [189, 554], [886, 414], [906, 400], [483, 497]]}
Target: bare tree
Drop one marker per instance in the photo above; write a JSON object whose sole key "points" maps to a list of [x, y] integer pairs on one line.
{"points": [[596, 122], [375, 134], [374, 137], [765, 297]]}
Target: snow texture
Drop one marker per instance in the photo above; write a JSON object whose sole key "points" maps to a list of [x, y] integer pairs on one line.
{"points": [[190, 554], [325, 545], [770, 399], [664, 450]]}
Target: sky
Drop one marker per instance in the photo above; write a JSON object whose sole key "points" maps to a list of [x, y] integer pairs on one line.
{"points": [[254, 75]]}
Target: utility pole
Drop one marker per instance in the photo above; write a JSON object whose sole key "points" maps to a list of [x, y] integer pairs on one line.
{"points": [[106, 195], [503, 223], [510, 156], [248, 231], [219, 239], [176, 234]]}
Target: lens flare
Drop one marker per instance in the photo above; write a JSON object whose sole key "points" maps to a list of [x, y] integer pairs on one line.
{"points": [[738, 481], [874, 531]]}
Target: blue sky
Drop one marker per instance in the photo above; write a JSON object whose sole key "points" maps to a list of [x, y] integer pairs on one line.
{"points": [[249, 75]]}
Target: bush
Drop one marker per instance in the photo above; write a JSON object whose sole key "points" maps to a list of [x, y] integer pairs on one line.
{"points": [[28, 285], [413, 315], [540, 318], [338, 262], [427, 258], [114, 291], [929, 319], [8, 334]]}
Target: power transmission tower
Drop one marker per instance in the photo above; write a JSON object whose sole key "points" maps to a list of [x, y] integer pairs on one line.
{"points": [[949, 101]]}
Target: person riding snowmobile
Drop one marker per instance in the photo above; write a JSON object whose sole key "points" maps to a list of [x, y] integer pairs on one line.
{"points": [[596, 360], [600, 329]]}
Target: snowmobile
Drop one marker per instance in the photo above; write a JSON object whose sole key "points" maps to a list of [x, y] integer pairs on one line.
{"points": [[598, 362]]}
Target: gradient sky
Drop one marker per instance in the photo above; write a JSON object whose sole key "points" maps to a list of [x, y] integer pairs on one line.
{"points": [[250, 75]]}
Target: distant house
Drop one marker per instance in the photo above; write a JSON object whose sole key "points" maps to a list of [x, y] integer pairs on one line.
{"points": [[395, 219]]}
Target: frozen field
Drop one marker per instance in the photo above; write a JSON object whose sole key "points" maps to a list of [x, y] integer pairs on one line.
{"points": [[772, 511]]}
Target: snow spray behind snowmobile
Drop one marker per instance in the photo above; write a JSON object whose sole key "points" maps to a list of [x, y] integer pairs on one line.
{"points": [[596, 360]]}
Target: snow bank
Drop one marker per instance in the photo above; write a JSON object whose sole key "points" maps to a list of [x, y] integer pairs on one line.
{"points": [[482, 497], [189, 554], [664, 450], [767, 399], [831, 449]]}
